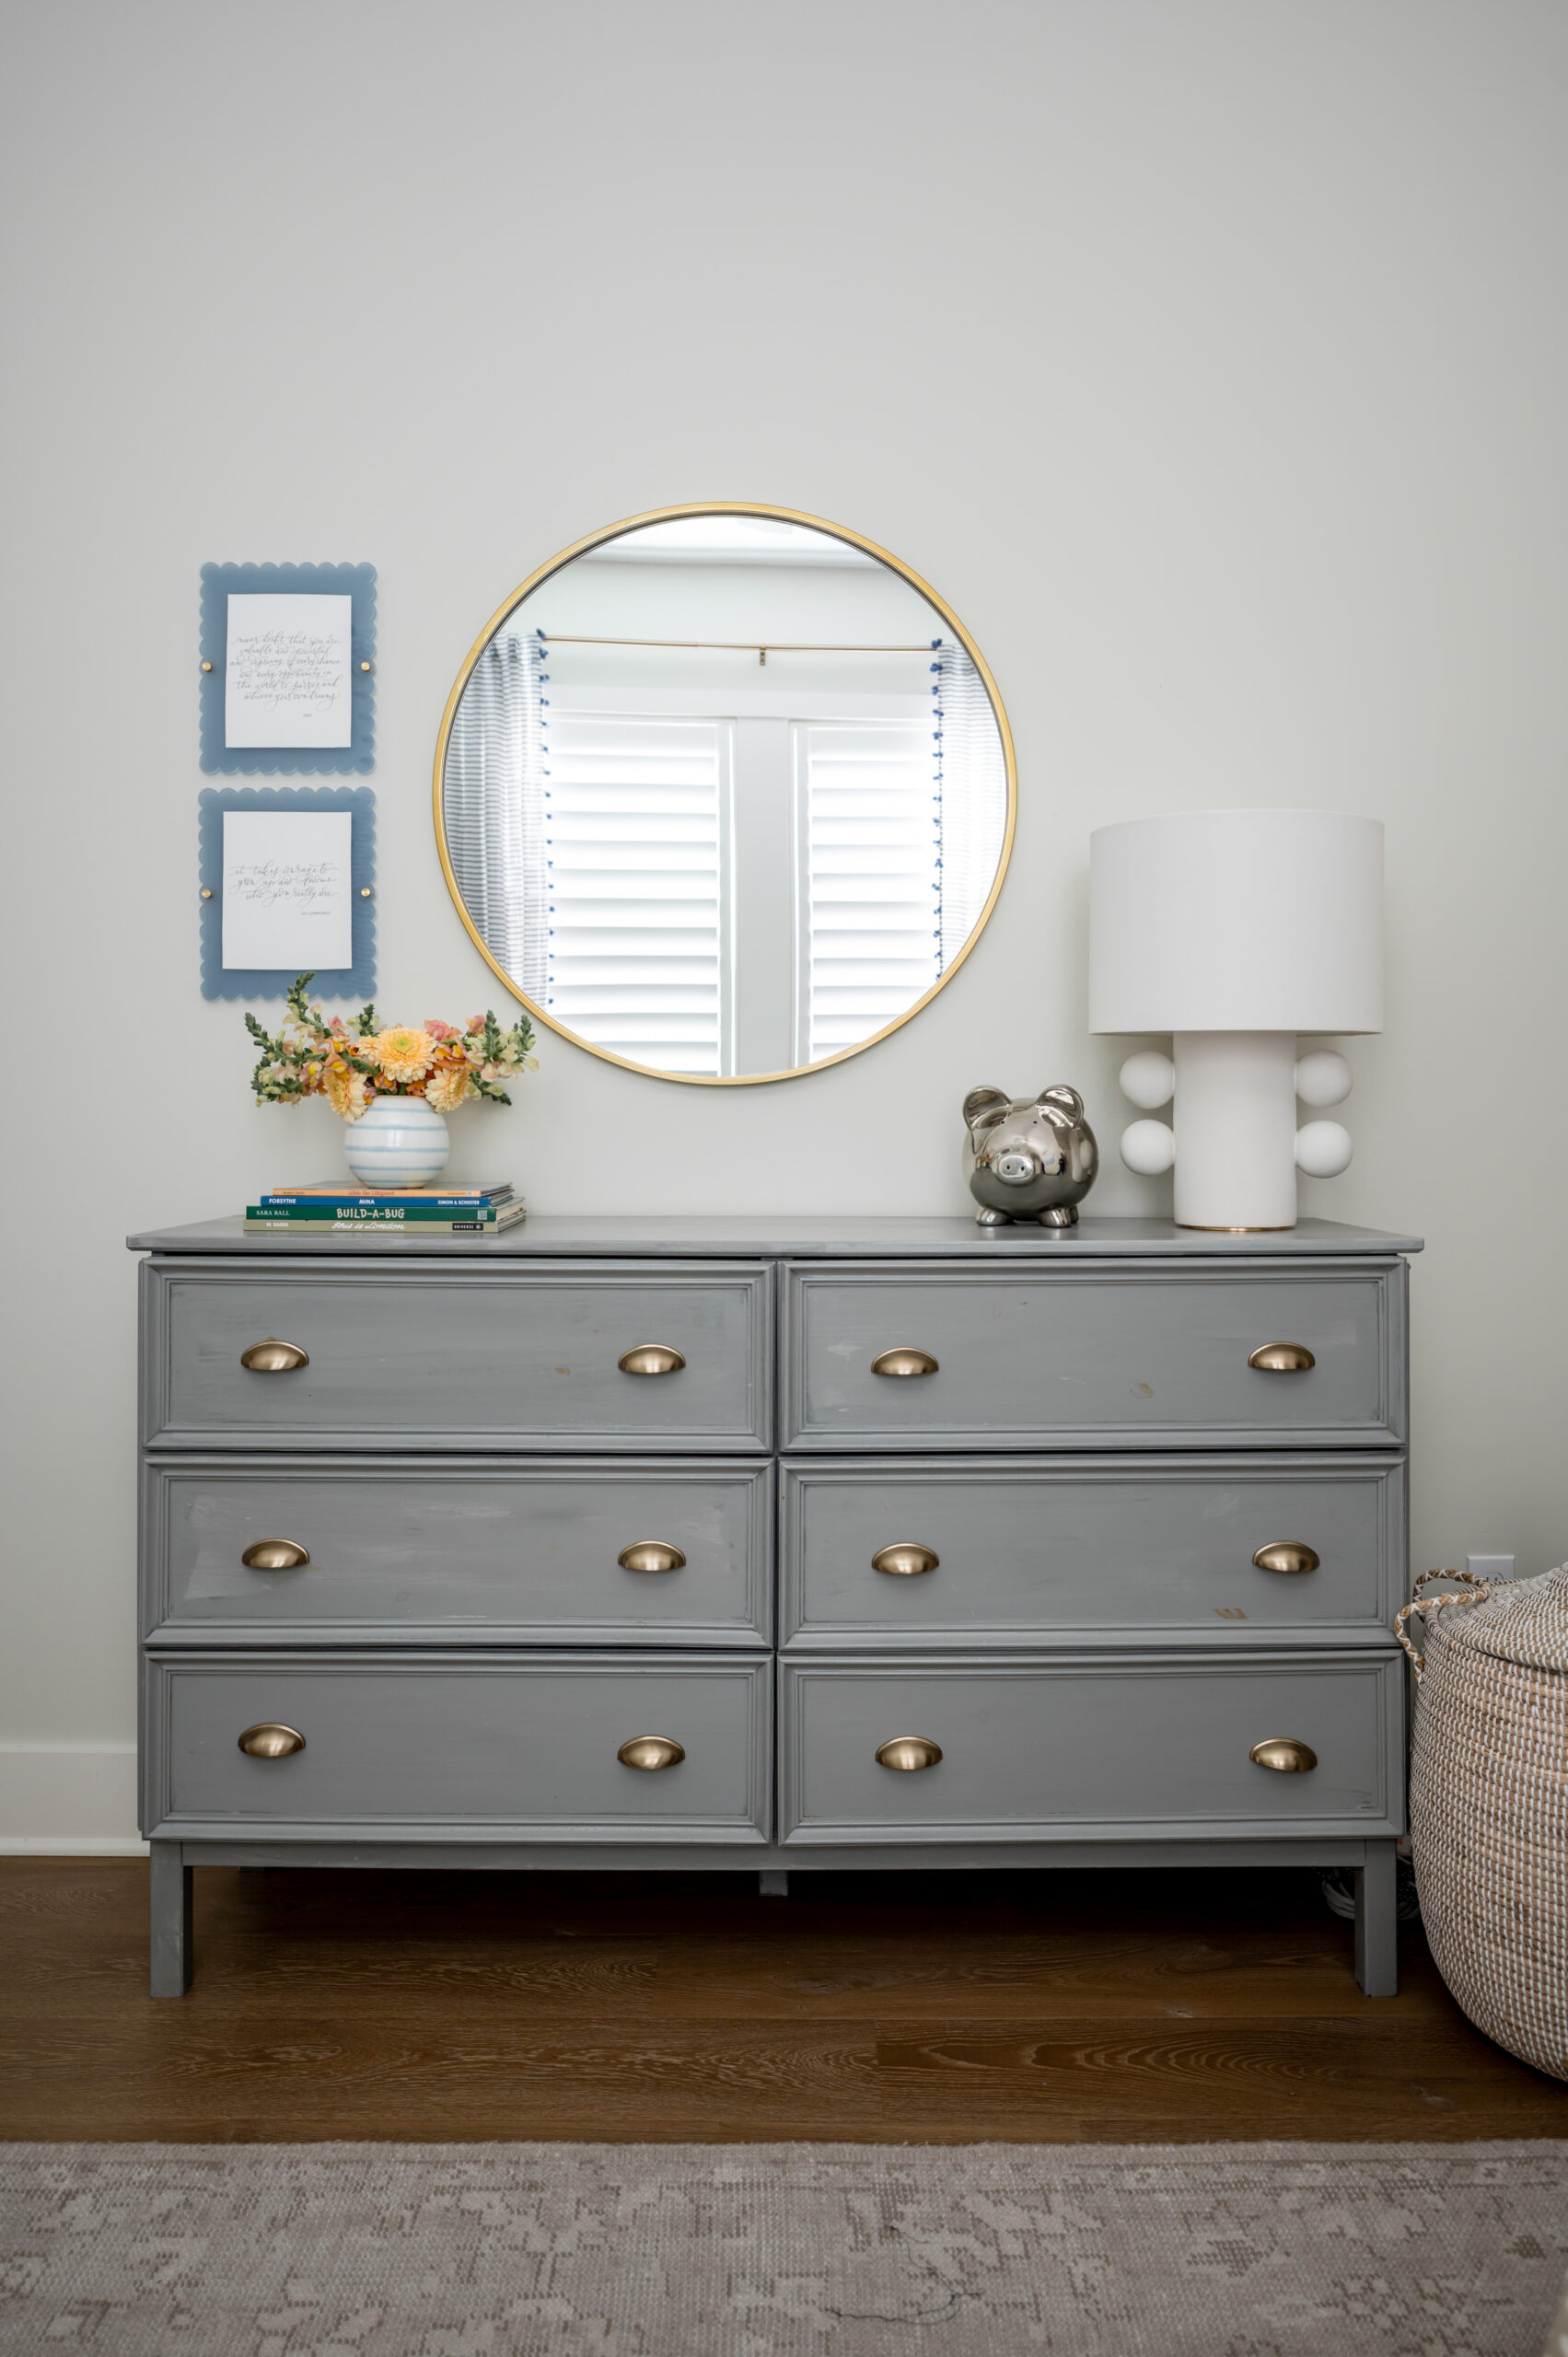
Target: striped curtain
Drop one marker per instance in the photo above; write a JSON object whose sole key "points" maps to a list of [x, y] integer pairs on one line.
{"points": [[969, 796], [494, 797]]}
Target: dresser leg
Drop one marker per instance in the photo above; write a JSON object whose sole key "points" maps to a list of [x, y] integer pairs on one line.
{"points": [[773, 1882], [1376, 1922], [173, 1948]]}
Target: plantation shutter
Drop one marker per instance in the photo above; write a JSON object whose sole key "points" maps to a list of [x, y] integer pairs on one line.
{"points": [[870, 923], [637, 931]]}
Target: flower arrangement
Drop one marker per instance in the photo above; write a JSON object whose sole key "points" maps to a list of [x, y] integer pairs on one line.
{"points": [[352, 1063]]}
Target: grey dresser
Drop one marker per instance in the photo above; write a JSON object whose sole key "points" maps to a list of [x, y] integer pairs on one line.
{"points": [[761, 1543]]}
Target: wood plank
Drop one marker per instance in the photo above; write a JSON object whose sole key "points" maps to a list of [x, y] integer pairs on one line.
{"points": [[1058, 2007]]}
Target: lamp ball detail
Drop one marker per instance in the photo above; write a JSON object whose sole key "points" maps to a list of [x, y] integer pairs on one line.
{"points": [[1148, 1147], [1323, 1077], [1322, 1149], [1149, 1079]]}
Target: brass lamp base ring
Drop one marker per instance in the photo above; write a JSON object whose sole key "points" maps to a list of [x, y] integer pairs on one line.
{"points": [[1198, 1227]]}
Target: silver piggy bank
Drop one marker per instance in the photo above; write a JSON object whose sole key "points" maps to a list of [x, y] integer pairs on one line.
{"points": [[1029, 1157]]}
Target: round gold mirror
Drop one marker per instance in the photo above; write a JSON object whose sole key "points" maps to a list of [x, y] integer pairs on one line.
{"points": [[724, 793]]}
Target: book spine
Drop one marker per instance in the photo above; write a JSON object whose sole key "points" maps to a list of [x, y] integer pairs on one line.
{"points": [[368, 1216], [313, 1204], [363, 1227]]}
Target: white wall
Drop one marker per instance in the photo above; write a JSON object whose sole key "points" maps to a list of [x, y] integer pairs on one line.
{"points": [[1208, 356]]}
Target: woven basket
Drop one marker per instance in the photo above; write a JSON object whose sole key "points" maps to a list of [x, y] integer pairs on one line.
{"points": [[1489, 1805]]}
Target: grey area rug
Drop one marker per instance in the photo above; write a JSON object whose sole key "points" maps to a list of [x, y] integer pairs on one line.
{"points": [[803, 2250]]}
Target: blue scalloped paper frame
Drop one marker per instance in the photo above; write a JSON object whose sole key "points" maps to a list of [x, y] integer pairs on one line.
{"points": [[357, 581], [219, 980]]}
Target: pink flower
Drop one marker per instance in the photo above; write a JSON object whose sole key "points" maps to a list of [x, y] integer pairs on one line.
{"points": [[442, 1031]]}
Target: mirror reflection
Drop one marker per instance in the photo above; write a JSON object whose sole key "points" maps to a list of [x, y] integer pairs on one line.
{"points": [[725, 796]]}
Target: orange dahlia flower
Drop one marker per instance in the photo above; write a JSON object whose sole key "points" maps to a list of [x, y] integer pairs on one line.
{"points": [[403, 1053]]}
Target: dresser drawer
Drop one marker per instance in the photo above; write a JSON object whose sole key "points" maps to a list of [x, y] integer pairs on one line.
{"points": [[1048, 1750], [1092, 1357], [999, 1550], [441, 1356], [429, 1549], [457, 1746]]}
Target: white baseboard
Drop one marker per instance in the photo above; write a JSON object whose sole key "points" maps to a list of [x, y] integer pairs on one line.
{"points": [[69, 1800], [71, 1845]]}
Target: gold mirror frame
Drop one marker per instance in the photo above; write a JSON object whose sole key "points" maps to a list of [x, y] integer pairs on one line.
{"points": [[665, 516]]}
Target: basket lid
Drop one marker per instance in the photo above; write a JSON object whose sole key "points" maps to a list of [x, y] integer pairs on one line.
{"points": [[1522, 1621]]}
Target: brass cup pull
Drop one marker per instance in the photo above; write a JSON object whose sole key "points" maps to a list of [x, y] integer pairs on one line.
{"points": [[905, 1360], [275, 1555], [1288, 1555], [1280, 1358], [1285, 1752], [270, 1742], [908, 1751], [904, 1559], [651, 1751], [651, 1555], [650, 1358], [272, 1357]]}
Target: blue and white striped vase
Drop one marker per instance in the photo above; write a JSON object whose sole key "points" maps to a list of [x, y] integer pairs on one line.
{"points": [[397, 1141]]}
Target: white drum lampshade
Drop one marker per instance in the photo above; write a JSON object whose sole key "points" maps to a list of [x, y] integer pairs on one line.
{"points": [[1235, 930]]}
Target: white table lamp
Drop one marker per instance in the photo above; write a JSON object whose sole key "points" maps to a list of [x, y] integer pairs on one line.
{"points": [[1234, 930]]}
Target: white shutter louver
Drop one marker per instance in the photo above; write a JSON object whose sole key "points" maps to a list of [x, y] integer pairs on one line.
{"points": [[869, 924], [634, 843]]}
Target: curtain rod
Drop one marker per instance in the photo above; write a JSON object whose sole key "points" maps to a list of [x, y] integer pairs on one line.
{"points": [[733, 646]]}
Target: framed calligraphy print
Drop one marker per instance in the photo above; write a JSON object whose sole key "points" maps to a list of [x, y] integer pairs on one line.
{"points": [[289, 667], [287, 886]]}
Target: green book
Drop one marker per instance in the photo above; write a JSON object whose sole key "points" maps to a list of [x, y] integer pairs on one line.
{"points": [[427, 1219], [366, 1216]]}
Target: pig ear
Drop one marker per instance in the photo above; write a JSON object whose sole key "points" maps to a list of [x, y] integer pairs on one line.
{"points": [[1067, 1098], [983, 1106]]}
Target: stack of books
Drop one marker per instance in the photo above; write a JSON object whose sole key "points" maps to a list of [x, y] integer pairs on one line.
{"points": [[335, 1205]]}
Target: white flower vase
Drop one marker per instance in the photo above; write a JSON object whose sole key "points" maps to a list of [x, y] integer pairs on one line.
{"points": [[398, 1141]]}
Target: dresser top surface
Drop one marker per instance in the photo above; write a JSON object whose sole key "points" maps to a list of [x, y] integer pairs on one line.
{"points": [[783, 1236]]}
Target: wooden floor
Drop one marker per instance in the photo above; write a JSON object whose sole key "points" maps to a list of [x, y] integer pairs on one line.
{"points": [[941, 2008]]}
